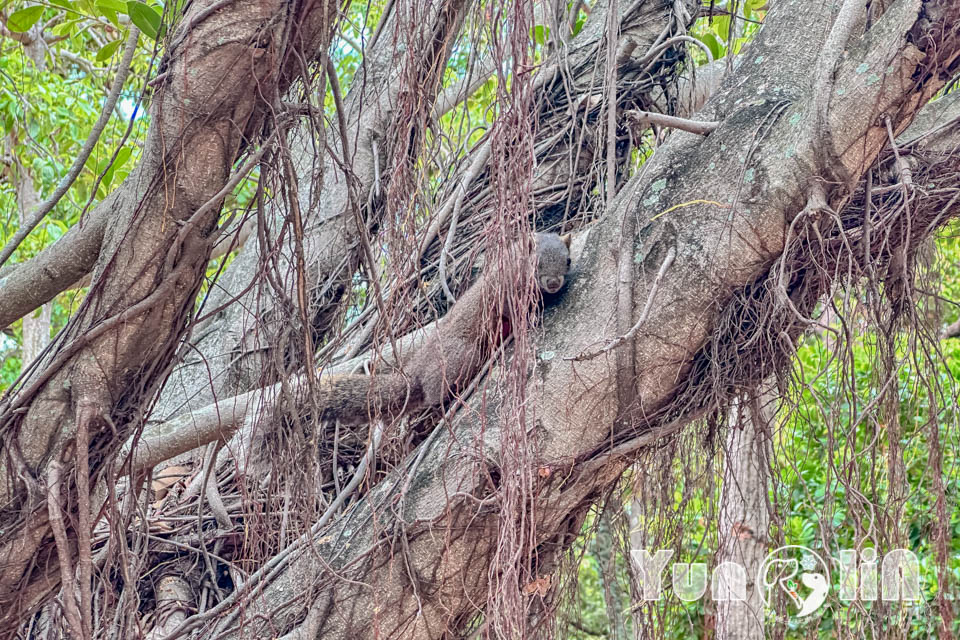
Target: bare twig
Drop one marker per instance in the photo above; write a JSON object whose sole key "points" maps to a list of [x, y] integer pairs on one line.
{"points": [[645, 118], [611, 80], [458, 93], [278, 562], [652, 54], [448, 242], [85, 415]]}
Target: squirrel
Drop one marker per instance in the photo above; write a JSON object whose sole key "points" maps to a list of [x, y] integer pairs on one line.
{"points": [[449, 358]]}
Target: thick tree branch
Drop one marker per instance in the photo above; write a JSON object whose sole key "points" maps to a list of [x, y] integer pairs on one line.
{"points": [[156, 244], [952, 330], [759, 172], [26, 286], [239, 344], [215, 351]]}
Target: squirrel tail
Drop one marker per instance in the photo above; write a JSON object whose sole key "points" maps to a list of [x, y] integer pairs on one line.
{"points": [[355, 399]]}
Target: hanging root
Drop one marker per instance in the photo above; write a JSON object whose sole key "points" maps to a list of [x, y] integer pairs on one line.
{"points": [[879, 254]]}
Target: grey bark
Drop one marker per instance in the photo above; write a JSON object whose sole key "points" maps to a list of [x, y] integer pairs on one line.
{"points": [[952, 330], [744, 524], [606, 552], [759, 169], [211, 381], [26, 286], [755, 165], [89, 392], [230, 351], [36, 327]]}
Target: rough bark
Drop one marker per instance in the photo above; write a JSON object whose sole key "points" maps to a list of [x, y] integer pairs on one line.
{"points": [[412, 557], [741, 193], [26, 286], [606, 550], [565, 176], [952, 330], [254, 328], [89, 394], [36, 326]]}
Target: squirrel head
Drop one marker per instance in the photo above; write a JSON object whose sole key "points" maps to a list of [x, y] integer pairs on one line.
{"points": [[553, 260]]}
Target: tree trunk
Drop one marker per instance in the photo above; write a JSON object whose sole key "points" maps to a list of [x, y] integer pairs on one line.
{"points": [[717, 256], [36, 326], [69, 418], [744, 524]]}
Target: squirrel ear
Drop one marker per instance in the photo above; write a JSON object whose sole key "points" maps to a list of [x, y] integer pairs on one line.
{"points": [[565, 239]]}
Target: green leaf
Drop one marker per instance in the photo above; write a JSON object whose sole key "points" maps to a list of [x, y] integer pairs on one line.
{"points": [[22, 19], [62, 3], [107, 50], [114, 5], [110, 15], [56, 229], [540, 34], [721, 26], [64, 28], [177, 8], [122, 156], [578, 25], [713, 43], [146, 18]]}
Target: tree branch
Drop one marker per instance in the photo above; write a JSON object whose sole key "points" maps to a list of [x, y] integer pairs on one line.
{"points": [[718, 251], [36, 216]]}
